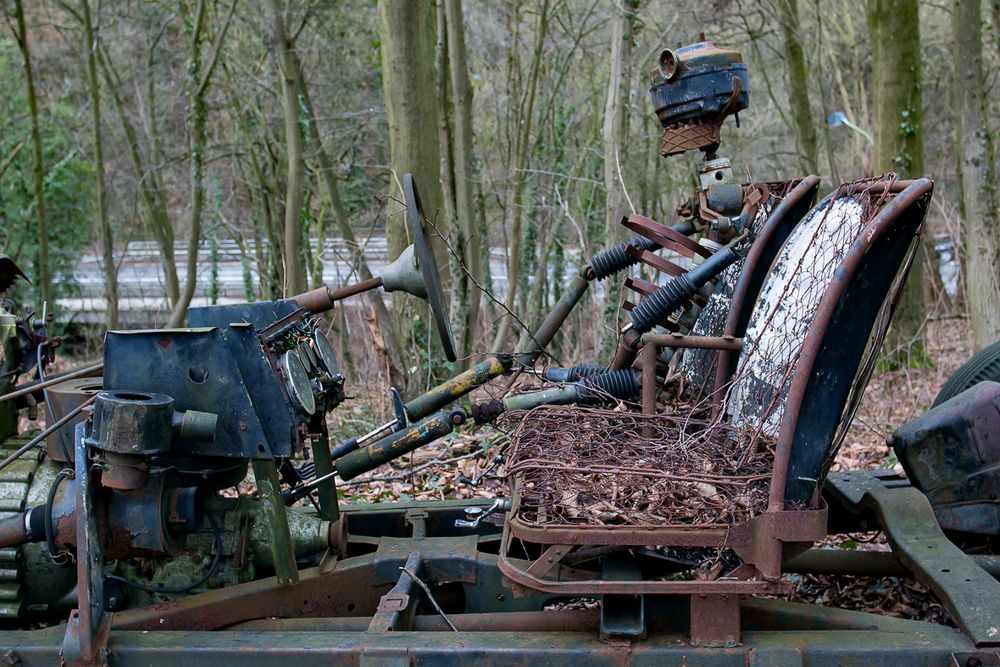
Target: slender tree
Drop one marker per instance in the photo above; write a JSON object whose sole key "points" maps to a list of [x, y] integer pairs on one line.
{"points": [[894, 31], [513, 206], [92, 48], [407, 32], [200, 74], [20, 32], [331, 191], [616, 119], [284, 48], [467, 237], [152, 196], [977, 172], [798, 84]]}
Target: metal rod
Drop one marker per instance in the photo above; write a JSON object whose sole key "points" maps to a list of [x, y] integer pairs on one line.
{"points": [[649, 354], [52, 380], [44, 434], [322, 298], [699, 342], [353, 290]]}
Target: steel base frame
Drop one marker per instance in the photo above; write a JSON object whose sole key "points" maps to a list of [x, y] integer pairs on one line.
{"points": [[363, 609]]}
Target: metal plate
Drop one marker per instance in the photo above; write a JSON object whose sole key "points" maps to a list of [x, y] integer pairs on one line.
{"points": [[428, 266], [297, 382]]}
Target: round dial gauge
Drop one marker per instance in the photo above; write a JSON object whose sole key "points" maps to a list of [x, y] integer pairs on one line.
{"points": [[324, 351], [308, 357], [297, 382]]}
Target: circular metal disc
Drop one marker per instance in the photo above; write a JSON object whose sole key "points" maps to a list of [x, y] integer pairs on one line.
{"points": [[297, 382], [428, 266], [324, 352]]}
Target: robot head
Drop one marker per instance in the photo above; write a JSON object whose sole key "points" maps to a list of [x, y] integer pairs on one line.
{"points": [[693, 89]]}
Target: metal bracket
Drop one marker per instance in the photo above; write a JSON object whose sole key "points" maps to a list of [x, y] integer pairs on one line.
{"points": [[273, 506], [87, 631]]}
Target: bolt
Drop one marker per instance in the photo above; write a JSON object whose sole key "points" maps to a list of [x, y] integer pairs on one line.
{"points": [[973, 662], [112, 602], [243, 427]]}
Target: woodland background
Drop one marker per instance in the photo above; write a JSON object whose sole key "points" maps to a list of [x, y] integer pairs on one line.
{"points": [[188, 138]]}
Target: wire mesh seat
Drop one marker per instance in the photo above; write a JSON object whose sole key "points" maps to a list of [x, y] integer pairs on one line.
{"points": [[745, 476]]}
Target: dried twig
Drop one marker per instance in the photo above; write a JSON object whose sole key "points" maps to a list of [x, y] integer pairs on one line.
{"points": [[430, 596]]}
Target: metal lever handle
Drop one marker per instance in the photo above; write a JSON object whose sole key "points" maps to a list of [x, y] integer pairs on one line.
{"points": [[497, 460], [476, 515]]}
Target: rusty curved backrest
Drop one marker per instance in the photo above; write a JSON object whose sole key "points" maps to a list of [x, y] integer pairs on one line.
{"points": [[779, 225], [839, 348]]}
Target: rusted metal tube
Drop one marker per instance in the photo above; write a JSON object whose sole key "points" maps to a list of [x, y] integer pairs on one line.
{"points": [[458, 386], [535, 621], [44, 434], [323, 298], [53, 380], [397, 444], [553, 321], [649, 352], [696, 342], [627, 350], [13, 530]]}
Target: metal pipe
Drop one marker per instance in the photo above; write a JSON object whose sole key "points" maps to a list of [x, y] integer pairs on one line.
{"points": [[322, 298], [446, 392], [696, 342], [52, 381], [553, 321], [44, 434], [649, 354], [14, 530], [396, 444]]}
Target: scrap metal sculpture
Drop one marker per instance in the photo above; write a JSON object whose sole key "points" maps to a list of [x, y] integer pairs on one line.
{"points": [[123, 544]]}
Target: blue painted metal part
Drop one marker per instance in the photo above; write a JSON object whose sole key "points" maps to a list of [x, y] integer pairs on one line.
{"points": [[702, 85]]}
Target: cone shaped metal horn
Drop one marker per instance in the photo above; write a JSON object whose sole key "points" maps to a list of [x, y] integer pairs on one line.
{"points": [[403, 275]]}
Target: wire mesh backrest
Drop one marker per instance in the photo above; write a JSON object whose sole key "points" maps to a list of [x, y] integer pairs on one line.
{"points": [[736, 291], [786, 308], [840, 350]]}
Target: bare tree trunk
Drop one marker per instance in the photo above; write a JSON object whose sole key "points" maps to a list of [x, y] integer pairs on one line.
{"points": [[383, 320], [406, 28], [163, 226], [200, 78], [798, 85], [447, 161], [468, 239], [295, 275], [38, 171], [977, 175], [90, 41], [894, 29], [513, 208], [150, 189], [615, 130]]}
